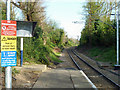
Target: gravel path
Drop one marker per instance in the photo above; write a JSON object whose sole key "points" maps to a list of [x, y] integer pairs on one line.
{"points": [[67, 62]]}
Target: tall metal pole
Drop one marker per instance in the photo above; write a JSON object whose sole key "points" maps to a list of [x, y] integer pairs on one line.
{"points": [[8, 70], [118, 36], [8, 9]]}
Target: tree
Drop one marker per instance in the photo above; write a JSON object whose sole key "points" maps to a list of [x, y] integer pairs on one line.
{"points": [[33, 11], [98, 27], [46, 36], [93, 10]]}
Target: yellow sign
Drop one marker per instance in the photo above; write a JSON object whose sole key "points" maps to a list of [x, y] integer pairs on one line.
{"points": [[8, 43]]}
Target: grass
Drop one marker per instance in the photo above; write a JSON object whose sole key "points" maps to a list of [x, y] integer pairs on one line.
{"points": [[54, 58], [58, 54], [104, 54]]}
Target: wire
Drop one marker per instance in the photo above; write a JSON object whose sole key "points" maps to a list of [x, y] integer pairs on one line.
{"points": [[107, 24]]}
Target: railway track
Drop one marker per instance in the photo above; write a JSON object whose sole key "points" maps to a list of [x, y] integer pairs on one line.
{"points": [[99, 79]]}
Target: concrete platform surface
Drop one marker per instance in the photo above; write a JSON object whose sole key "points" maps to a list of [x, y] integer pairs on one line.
{"points": [[57, 78], [37, 68]]}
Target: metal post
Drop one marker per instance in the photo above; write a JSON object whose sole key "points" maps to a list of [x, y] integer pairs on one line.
{"points": [[21, 62], [8, 70], [8, 77], [118, 36], [117, 66], [8, 9]]}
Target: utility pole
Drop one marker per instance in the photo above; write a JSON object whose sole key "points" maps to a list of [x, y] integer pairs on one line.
{"points": [[8, 69], [118, 37], [117, 65]]}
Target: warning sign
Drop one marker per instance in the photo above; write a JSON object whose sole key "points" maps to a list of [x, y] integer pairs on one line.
{"points": [[8, 28], [8, 43]]}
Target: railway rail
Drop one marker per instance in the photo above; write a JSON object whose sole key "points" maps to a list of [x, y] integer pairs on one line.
{"points": [[98, 78]]}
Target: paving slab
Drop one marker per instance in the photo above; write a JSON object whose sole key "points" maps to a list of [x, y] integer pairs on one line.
{"points": [[54, 79], [36, 67], [57, 78], [79, 80]]}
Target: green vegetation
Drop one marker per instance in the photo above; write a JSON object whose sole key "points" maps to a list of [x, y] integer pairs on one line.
{"points": [[54, 58], [48, 39], [102, 54], [71, 42], [105, 54], [99, 32], [40, 50], [99, 29]]}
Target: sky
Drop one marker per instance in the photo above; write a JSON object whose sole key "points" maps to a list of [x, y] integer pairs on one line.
{"points": [[65, 12]]}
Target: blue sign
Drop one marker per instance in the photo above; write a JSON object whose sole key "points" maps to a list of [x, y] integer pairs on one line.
{"points": [[8, 58]]}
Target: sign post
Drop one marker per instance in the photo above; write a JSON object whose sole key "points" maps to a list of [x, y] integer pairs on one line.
{"points": [[24, 29], [8, 49], [8, 46], [8, 70], [21, 62], [8, 43]]}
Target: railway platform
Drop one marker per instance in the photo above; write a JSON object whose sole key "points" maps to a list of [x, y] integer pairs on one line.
{"points": [[61, 78]]}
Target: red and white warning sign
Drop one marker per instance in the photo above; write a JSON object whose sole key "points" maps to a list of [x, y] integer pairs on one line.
{"points": [[8, 28], [8, 43]]}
